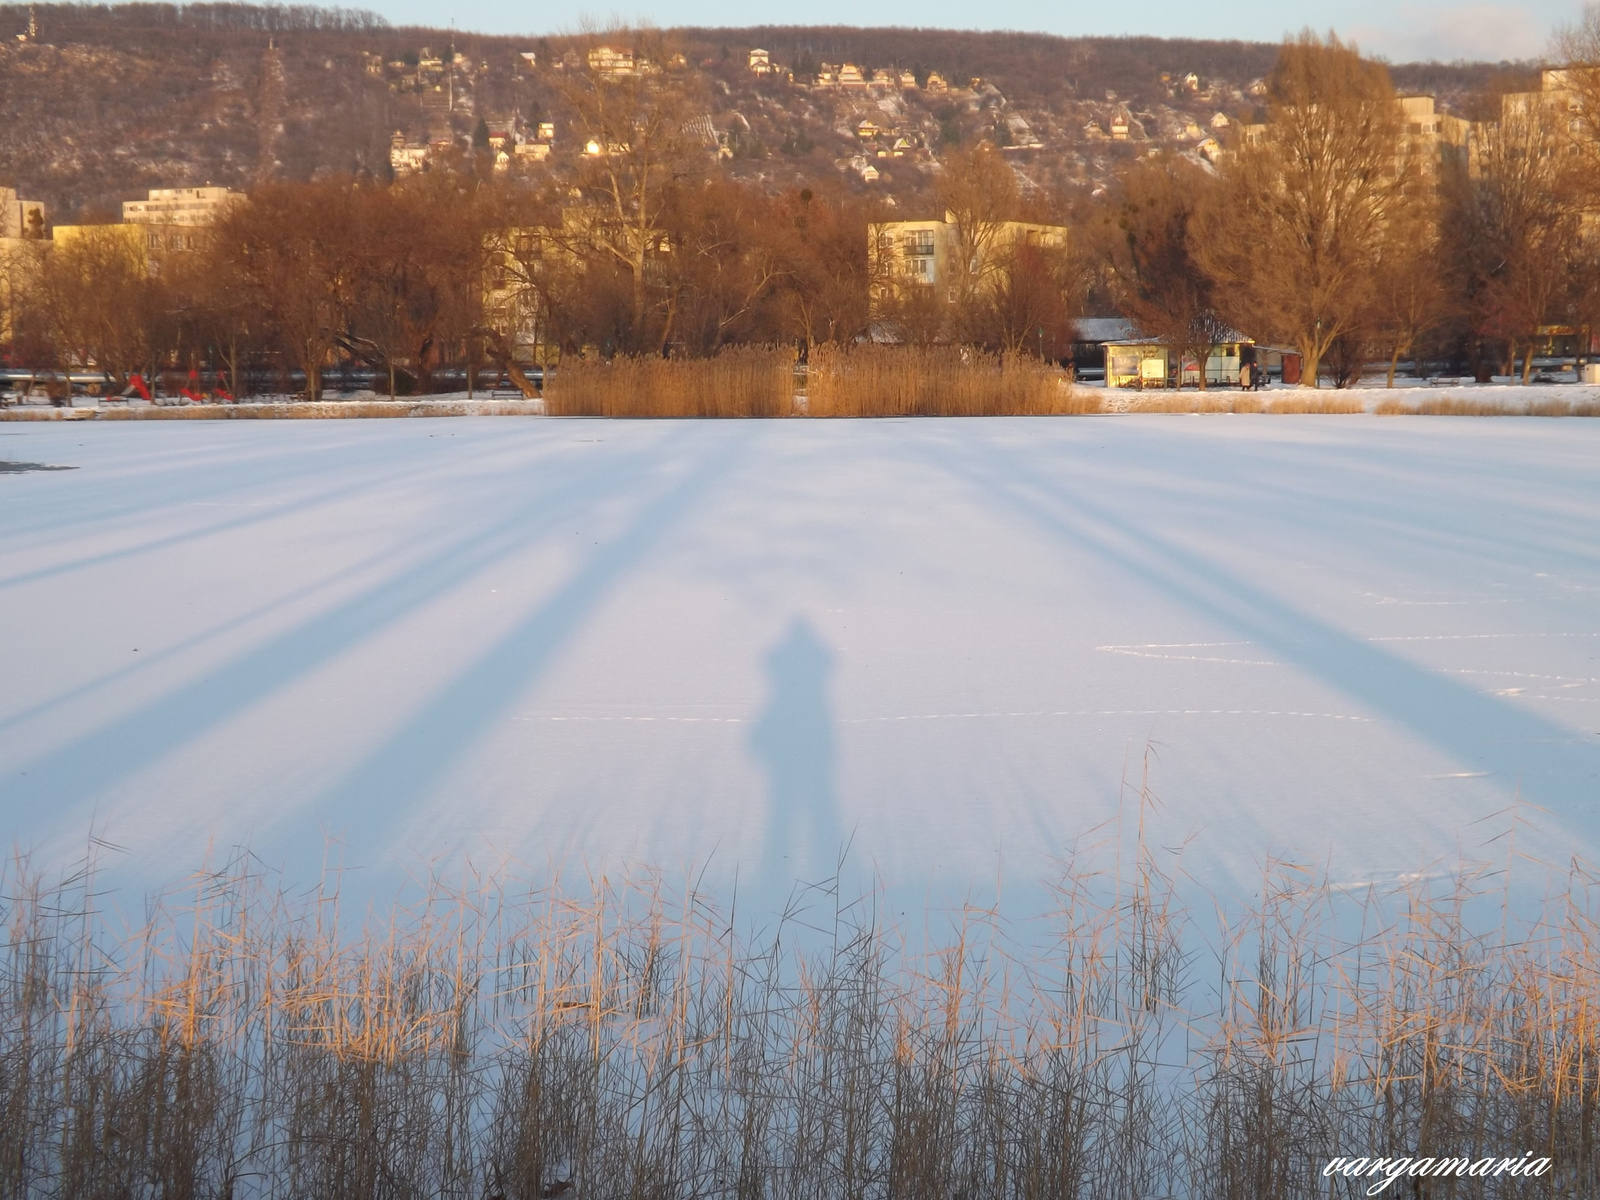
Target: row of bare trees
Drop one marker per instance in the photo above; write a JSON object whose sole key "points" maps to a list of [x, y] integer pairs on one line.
{"points": [[399, 281], [1334, 229]]}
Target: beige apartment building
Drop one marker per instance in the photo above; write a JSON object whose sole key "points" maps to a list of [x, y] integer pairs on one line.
{"points": [[167, 221], [1434, 138], [23, 227], [179, 206], [925, 254]]}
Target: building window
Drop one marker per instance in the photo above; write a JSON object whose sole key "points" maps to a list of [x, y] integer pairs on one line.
{"points": [[919, 242]]}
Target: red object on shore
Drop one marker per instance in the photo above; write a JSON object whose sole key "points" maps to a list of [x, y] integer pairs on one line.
{"points": [[136, 385]]}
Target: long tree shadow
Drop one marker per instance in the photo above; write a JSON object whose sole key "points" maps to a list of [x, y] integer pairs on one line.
{"points": [[80, 770], [414, 759], [1473, 728], [152, 486], [211, 487], [795, 742]]}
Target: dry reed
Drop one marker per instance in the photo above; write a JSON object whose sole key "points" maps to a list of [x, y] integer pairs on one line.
{"points": [[935, 381], [1452, 406], [1195, 402], [740, 382], [492, 1039], [1316, 404], [1240, 402]]}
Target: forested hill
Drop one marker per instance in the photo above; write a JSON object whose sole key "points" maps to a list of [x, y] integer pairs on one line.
{"points": [[106, 101]]}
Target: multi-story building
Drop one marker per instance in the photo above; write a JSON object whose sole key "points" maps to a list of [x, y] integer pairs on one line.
{"points": [[179, 206], [19, 218], [1433, 138], [169, 221], [907, 255], [22, 232]]}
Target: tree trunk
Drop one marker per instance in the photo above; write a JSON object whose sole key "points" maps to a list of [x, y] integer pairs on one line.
{"points": [[500, 350], [1394, 361], [1527, 364]]}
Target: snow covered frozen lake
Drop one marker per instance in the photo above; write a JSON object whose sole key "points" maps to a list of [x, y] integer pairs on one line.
{"points": [[1367, 645]]}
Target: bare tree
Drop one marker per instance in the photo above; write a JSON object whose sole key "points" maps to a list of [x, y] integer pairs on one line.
{"points": [[294, 248], [978, 194], [642, 130], [1415, 285], [1525, 217], [828, 276], [101, 301], [1294, 236], [1146, 240], [724, 268], [1028, 306]]}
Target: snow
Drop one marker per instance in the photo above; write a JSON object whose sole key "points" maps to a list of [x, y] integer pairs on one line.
{"points": [[1364, 644]]}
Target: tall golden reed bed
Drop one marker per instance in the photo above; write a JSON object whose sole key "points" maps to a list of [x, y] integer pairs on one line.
{"points": [[755, 381], [935, 381]]}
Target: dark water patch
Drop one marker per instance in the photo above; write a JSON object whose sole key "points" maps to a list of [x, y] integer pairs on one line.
{"points": [[17, 468]]}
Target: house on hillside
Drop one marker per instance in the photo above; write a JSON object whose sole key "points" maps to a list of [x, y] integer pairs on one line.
{"points": [[612, 62], [406, 157]]}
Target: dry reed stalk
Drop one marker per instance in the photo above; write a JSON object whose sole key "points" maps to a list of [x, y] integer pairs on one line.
{"points": [[1195, 402], [495, 1039], [1451, 406], [750, 381], [1315, 404], [935, 381]]}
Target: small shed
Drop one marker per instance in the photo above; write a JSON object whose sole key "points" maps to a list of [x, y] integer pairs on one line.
{"points": [[1137, 363]]}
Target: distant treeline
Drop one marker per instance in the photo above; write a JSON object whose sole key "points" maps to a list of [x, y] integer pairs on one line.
{"points": [[91, 22]]}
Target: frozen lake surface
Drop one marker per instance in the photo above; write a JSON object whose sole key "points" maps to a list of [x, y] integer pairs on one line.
{"points": [[1365, 645]]}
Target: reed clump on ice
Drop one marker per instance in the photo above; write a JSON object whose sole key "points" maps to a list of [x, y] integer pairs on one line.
{"points": [[936, 381], [499, 1039], [741, 381]]}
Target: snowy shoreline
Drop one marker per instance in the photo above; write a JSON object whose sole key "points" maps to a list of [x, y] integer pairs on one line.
{"points": [[1416, 396]]}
